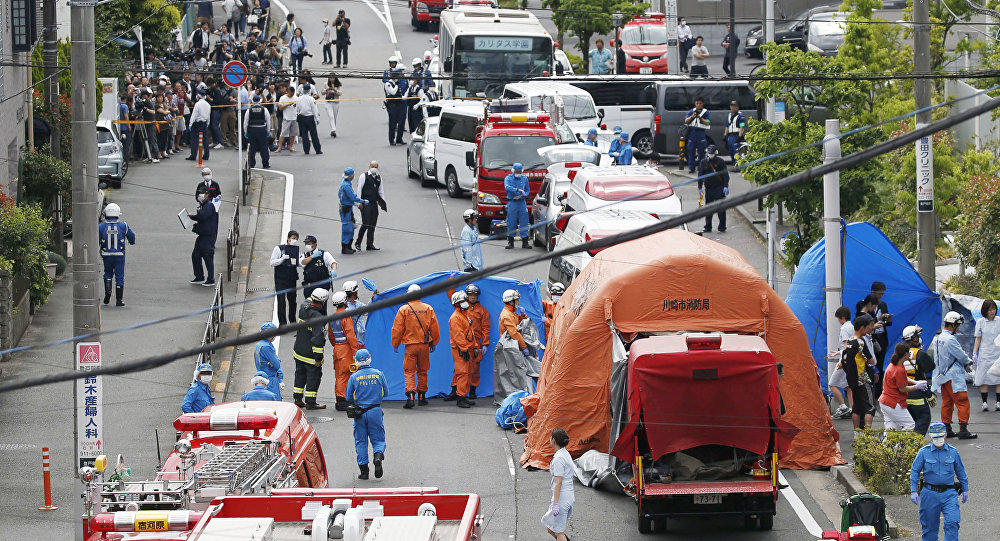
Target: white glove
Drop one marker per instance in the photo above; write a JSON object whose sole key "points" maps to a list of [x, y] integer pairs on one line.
{"points": [[286, 256], [281, 385], [616, 154]]}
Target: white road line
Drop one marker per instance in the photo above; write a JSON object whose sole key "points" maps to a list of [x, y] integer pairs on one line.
{"points": [[286, 224], [506, 453], [386, 19], [800, 508], [447, 229]]}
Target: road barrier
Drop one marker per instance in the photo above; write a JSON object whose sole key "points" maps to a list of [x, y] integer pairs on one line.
{"points": [[214, 324], [232, 241], [46, 482]]}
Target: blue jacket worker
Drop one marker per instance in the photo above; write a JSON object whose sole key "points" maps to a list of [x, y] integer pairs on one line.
{"points": [[266, 360], [623, 154], [258, 124], [207, 229], [736, 127], [940, 464], [616, 141], [259, 392], [199, 395], [113, 234], [347, 201], [591, 139], [365, 390], [698, 120], [517, 188], [472, 249]]}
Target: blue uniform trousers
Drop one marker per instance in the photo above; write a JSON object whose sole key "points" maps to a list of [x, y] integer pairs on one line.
{"points": [[397, 120], [216, 126], [711, 195], [932, 505], [733, 142], [204, 251], [517, 218], [200, 128], [346, 224], [114, 266], [258, 143], [696, 145], [369, 427]]}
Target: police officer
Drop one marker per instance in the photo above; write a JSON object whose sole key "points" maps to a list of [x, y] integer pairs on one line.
{"points": [[416, 327], [318, 266], [463, 347], [258, 123], [623, 155], [113, 234], [517, 187], [472, 249], [259, 381], [199, 395], [395, 87], [940, 463], [365, 389], [308, 351], [591, 139], [736, 125], [347, 201], [949, 376], [698, 120], [919, 366], [285, 261], [207, 229], [266, 360], [353, 301], [716, 185], [345, 345], [413, 93], [373, 195]]}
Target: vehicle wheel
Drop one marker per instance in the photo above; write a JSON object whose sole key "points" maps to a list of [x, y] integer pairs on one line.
{"points": [[451, 182], [484, 225], [409, 171], [766, 522], [645, 525], [124, 172], [414, 22], [535, 237], [750, 522], [643, 144], [660, 525], [423, 26], [427, 182]]}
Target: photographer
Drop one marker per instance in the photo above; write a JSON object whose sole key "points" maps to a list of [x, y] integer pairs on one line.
{"points": [[145, 110], [297, 46], [220, 55], [343, 38], [201, 37], [273, 55]]}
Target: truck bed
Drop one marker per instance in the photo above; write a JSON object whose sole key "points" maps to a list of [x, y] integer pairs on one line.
{"points": [[293, 531], [751, 486]]}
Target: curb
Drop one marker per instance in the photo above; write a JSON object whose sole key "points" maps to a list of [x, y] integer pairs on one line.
{"points": [[853, 485]]}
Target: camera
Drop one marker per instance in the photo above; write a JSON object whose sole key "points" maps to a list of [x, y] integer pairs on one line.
{"points": [[306, 53]]}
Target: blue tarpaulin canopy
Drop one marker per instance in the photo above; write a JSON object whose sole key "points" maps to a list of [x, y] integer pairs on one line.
{"points": [[379, 331], [868, 256]]}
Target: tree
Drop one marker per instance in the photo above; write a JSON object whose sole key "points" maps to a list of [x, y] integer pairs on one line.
{"points": [[157, 18], [553, 6], [584, 18], [978, 238], [23, 239]]}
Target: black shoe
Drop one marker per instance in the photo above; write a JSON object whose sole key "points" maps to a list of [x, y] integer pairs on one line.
{"points": [[706, 230], [315, 406], [525, 244], [318, 152], [197, 281], [364, 472], [463, 403], [372, 248], [208, 284], [950, 433], [964, 434], [357, 246], [346, 249], [452, 396], [119, 296], [510, 243], [190, 159], [341, 404], [409, 401], [377, 459], [300, 403], [722, 230], [107, 291], [422, 399], [392, 143], [472, 392]]}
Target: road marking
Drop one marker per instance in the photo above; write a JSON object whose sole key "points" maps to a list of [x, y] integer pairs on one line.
{"points": [[286, 224], [800, 508], [447, 229], [386, 19], [506, 453]]}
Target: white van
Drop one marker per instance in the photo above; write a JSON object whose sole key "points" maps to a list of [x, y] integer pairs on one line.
{"points": [[578, 106], [456, 136], [585, 227]]}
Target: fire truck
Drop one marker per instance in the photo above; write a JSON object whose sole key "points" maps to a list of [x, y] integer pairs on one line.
{"points": [[504, 138], [424, 13]]}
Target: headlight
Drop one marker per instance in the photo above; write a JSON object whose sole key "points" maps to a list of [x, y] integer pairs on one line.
{"points": [[488, 199], [752, 41], [421, 8], [814, 48]]}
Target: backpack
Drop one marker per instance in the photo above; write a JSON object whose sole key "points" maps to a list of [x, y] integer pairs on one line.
{"points": [[511, 414], [865, 509]]}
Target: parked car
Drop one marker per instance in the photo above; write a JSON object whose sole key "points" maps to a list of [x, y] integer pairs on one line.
{"points": [[112, 160], [562, 61], [789, 31], [644, 42], [825, 32], [675, 98], [564, 162], [420, 152], [630, 187], [579, 228]]}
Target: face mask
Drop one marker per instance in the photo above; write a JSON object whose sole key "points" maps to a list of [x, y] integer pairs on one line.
{"points": [[555, 298], [464, 305], [293, 242], [373, 170], [201, 197], [205, 378], [938, 442]]}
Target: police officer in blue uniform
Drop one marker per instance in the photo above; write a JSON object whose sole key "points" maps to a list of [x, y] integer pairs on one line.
{"points": [[365, 390], [713, 183], [113, 233], [259, 392], [736, 125], [199, 395], [516, 185], [318, 266], [395, 85], [258, 123], [623, 155], [207, 230], [940, 464], [698, 120], [347, 201], [266, 360]]}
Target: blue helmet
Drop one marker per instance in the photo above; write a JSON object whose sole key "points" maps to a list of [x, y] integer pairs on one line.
{"points": [[937, 430], [518, 166], [617, 129], [362, 357], [268, 325], [592, 131], [624, 136], [348, 172]]}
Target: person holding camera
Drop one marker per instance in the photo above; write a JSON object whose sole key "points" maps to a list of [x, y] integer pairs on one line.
{"points": [[297, 46], [343, 39], [365, 389], [146, 111]]}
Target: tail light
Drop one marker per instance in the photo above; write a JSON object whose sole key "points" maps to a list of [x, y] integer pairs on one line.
{"points": [[562, 220], [604, 126], [656, 123], [593, 252], [573, 164], [703, 341], [571, 174], [654, 215]]}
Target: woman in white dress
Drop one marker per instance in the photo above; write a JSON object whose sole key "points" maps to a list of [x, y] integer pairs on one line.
{"points": [[561, 468], [985, 352]]}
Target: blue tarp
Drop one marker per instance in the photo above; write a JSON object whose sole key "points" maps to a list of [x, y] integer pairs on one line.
{"points": [[379, 331], [868, 256]]}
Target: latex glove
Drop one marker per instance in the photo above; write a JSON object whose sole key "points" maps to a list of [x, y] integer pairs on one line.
{"points": [[616, 154], [281, 385], [965, 496], [431, 347], [395, 349], [555, 509], [725, 190], [922, 385], [701, 192], [975, 359], [526, 352], [520, 311], [915, 498], [364, 201]]}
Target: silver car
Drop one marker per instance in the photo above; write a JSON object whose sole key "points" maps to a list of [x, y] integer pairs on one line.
{"points": [[420, 152], [562, 163], [112, 161]]}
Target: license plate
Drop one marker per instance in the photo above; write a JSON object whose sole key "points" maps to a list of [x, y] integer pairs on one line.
{"points": [[760, 473], [707, 499], [645, 71]]}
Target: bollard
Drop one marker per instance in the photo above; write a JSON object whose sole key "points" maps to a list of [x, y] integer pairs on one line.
{"points": [[201, 146], [46, 482]]}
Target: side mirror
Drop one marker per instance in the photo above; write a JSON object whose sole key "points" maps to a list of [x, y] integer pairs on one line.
{"points": [[447, 65], [416, 137], [542, 200], [600, 115], [470, 159]]}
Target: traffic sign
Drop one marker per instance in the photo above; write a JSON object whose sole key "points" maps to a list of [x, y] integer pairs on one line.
{"points": [[234, 73]]}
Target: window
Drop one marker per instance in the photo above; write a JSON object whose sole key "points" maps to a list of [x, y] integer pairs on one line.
{"points": [[501, 152], [22, 25], [458, 127], [611, 93]]}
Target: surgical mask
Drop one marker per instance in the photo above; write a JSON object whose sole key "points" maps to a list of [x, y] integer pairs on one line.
{"points": [[201, 197], [464, 305], [293, 242], [310, 247], [373, 170], [205, 378], [555, 298], [938, 442]]}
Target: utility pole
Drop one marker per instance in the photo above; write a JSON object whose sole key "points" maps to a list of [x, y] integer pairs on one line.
{"points": [[926, 216], [831, 232], [772, 226], [731, 50], [86, 311], [50, 57]]}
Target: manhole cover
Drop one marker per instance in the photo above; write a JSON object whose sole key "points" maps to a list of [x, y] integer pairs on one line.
{"points": [[16, 446], [322, 419]]}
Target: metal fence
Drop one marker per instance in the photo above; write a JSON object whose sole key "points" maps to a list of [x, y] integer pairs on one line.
{"points": [[232, 241], [214, 324]]}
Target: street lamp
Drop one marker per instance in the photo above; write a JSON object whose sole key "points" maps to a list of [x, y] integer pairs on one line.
{"points": [[616, 20]]}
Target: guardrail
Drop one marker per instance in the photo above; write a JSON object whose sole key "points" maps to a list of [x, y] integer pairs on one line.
{"points": [[232, 241], [214, 324], [245, 179]]}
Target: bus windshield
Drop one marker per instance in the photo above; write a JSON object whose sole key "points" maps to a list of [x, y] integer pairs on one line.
{"points": [[503, 152], [484, 64]]}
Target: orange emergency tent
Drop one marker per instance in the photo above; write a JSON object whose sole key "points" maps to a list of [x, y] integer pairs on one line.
{"points": [[670, 281]]}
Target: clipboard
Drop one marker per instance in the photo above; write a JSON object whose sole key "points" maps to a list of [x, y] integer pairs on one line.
{"points": [[184, 219]]}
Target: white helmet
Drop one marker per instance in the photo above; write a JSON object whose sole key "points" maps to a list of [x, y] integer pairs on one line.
{"points": [[911, 331], [206, 173], [351, 286], [412, 288], [338, 298], [393, 58], [320, 295], [469, 214], [459, 297], [954, 318], [113, 211], [557, 288], [417, 62], [510, 295]]}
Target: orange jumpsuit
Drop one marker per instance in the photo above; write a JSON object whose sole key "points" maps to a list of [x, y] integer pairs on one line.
{"points": [[508, 322], [345, 345], [548, 308], [416, 327], [481, 328], [462, 342]]}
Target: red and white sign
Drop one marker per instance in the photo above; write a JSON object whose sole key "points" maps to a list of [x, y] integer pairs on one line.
{"points": [[89, 353], [89, 404]]}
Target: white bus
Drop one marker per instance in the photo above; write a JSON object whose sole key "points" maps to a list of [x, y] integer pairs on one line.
{"points": [[482, 49]]}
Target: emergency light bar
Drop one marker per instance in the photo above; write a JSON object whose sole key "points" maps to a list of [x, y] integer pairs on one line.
{"points": [[703, 341], [226, 420], [145, 521], [518, 117]]}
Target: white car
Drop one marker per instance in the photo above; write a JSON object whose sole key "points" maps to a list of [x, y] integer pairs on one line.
{"points": [[420, 152], [563, 162], [579, 228], [630, 187]]}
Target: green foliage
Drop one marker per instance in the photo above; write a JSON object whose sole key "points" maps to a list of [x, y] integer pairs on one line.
{"points": [[62, 59], [574, 61], [584, 18], [44, 177], [58, 118], [978, 237], [972, 284], [884, 466], [553, 5], [23, 237], [118, 17], [59, 261]]}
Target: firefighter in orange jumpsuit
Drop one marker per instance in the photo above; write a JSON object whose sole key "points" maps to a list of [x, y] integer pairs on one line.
{"points": [[463, 346], [345, 345], [416, 327], [510, 316], [481, 329], [556, 289]]}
